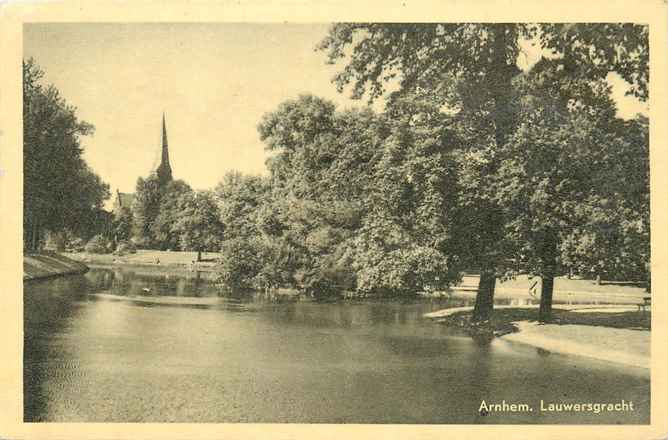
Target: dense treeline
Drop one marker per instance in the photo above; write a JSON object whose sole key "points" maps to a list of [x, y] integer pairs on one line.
{"points": [[471, 71], [169, 216], [474, 164], [61, 194], [381, 203]]}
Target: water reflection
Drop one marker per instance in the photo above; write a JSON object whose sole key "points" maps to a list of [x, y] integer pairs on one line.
{"points": [[98, 348], [144, 281]]}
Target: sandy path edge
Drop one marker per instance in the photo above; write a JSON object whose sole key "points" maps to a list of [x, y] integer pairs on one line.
{"points": [[634, 344]]}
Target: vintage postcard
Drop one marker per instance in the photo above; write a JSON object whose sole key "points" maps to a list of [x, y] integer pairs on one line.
{"points": [[340, 220]]}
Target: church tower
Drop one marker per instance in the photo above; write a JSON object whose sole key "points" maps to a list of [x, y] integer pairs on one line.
{"points": [[164, 171]]}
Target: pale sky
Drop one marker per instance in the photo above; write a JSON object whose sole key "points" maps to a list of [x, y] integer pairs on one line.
{"points": [[213, 81]]}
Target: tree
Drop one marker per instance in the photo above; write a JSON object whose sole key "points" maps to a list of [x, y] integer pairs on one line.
{"points": [[122, 225], [198, 224], [469, 69], [239, 198], [60, 190], [145, 209], [564, 202], [239, 264], [361, 191], [404, 244], [168, 214], [320, 176], [612, 237]]}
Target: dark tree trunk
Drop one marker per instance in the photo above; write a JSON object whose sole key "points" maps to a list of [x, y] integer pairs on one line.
{"points": [[34, 245], [27, 234], [199, 256], [503, 119], [547, 288], [501, 84], [549, 263], [484, 300]]}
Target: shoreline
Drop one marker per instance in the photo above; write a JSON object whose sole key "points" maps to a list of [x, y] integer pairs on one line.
{"points": [[46, 265], [554, 338], [157, 259], [617, 333]]}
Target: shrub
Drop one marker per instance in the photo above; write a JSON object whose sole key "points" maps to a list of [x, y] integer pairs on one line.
{"points": [[55, 241], [239, 264], [125, 247], [97, 245], [77, 245]]}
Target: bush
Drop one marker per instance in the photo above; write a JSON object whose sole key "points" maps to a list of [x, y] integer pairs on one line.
{"points": [[239, 264], [97, 245], [57, 241], [77, 245], [125, 247]]}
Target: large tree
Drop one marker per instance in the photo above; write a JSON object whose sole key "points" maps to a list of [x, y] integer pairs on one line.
{"points": [[198, 226], [569, 189], [60, 190], [145, 209], [469, 69], [168, 214], [320, 174], [122, 224], [407, 227], [239, 199]]}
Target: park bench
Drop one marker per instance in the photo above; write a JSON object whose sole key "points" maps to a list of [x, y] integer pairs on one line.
{"points": [[646, 303]]}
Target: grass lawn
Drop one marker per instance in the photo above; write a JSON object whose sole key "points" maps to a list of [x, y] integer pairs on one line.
{"points": [[620, 337], [564, 289], [149, 257], [502, 319]]}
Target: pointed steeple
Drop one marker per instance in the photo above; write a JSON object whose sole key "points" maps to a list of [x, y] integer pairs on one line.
{"points": [[164, 170]]}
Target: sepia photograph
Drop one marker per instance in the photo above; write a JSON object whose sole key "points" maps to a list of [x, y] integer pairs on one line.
{"points": [[336, 223]]}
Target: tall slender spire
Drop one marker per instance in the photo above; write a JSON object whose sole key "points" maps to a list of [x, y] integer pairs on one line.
{"points": [[164, 170]]}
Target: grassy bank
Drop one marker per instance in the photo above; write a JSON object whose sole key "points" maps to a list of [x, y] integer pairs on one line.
{"points": [[613, 334], [503, 319], [565, 290], [180, 259], [49, 264]]}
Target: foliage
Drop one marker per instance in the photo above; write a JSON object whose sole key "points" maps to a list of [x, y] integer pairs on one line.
{"points": [[122, 224], [76, 245], [581, 198], [320, 176], [389, 260], [468, 71], [58, 241], [60, 190], [198, 226], [163, 228], [612, 235], [98, 245], [239, 264], [125, 247], [145, 209], [239, 199], [405, 243]]}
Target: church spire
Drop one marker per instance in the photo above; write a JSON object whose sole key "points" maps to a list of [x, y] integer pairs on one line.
{"points": [[164, 170]]}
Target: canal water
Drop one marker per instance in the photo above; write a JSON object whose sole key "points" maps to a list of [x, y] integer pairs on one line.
{"points": [[133, 345]]}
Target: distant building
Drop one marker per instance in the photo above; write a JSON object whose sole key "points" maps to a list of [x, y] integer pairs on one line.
{"points": [[164, 173]]}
